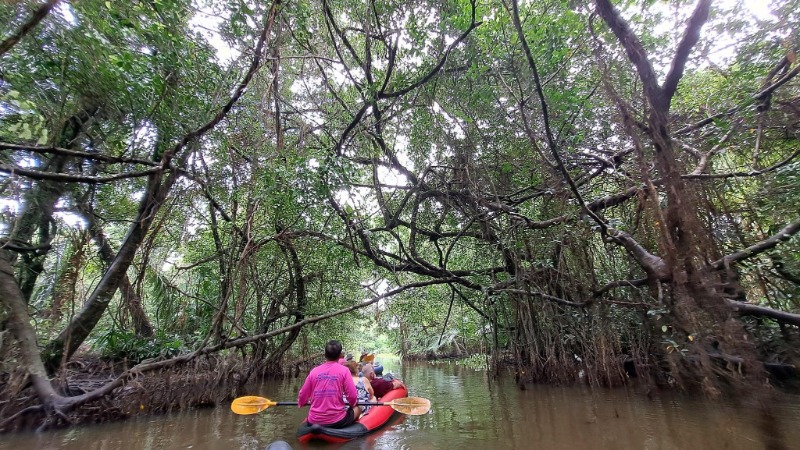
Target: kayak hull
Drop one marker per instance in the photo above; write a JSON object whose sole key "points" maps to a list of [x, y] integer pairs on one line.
{"points": [[376, 418]]}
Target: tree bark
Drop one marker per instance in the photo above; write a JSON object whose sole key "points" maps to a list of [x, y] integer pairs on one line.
{"points": [[62, 348], [19, 323], [141, 324], [64, 291]]}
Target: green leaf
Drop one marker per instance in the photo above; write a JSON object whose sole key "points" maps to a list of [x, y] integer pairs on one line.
{"points": [[43, 137], [26, 132]]}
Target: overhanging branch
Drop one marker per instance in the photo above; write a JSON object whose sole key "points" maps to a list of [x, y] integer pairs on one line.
{"points": [[70, 178], [784, 235]]}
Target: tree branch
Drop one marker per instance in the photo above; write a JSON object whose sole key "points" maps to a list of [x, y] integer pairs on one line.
{"points": [[747, 309], [22, 247], [753, 173], [69, 178], [620, 283], [784, 235], [26, 28], [783, 80], [427, 77], [75, 153], [635, 50], [690, 37]]}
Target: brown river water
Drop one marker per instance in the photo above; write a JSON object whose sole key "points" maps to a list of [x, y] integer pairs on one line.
{"points": [[467, 413]]}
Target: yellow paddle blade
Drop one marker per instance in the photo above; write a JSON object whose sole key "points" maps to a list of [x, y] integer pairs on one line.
{"points": [[250, 404], [413, 406]]}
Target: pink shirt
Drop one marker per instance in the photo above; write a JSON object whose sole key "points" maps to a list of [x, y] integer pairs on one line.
{"points": [[325, 385]]}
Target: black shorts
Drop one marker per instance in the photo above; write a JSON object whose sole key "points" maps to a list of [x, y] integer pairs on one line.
{"points": [[348, 419]]}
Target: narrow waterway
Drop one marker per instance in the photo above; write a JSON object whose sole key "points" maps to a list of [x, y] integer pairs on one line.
{"points": [[467, 413]]}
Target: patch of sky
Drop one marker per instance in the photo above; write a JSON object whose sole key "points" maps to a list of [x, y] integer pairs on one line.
{"points": [[207, 21], [64, 11], [69, 218], [455, 125]]}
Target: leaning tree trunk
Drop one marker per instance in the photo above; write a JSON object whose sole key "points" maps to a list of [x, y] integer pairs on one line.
{"points": [[158, 187], [132, 301], [67, 342]]}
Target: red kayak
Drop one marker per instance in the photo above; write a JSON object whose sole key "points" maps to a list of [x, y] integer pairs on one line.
{"points": [[376, 418]]}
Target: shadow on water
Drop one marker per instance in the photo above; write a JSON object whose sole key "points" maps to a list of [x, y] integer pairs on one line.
{"points": [[467, 413]]}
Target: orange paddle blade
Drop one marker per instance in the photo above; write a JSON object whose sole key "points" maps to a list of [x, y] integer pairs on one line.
{"points": [[413, 406], [251, 404]]}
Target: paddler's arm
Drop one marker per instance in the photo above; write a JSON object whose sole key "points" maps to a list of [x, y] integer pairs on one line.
{"points": [[305, 392]]}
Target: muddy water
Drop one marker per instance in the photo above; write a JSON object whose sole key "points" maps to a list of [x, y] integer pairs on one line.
{"points": [[467, 413]]}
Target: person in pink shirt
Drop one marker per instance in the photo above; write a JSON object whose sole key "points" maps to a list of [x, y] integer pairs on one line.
{"points": [[327, 386]]}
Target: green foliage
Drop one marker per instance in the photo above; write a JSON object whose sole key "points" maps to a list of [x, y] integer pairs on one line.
{"points": [[292, 208], [121, 345], [475, 362]]}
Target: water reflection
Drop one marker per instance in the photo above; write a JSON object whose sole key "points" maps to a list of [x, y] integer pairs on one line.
{"points": [[467, 413]]}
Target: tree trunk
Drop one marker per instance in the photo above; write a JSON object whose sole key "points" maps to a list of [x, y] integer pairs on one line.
{"points": [[131, 300], [19, 323], [297, 280], [61, 348]]}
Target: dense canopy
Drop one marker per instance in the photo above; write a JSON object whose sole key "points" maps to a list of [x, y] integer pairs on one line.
{"points": [[585, 189]]}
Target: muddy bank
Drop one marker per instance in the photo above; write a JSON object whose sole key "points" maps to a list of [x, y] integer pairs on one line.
{"points": [[205, 382], [211, 381], [785, 375]]}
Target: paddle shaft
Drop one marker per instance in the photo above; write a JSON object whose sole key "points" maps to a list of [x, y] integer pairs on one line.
{"points": [[251, 404], [357, 404]]}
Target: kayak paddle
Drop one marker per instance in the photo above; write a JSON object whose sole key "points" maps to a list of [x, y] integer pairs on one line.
{"points": [[250, 404]]}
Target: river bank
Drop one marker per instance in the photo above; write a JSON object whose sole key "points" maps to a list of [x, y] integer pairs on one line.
{"points": [[213, 382], [469, 411]]}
